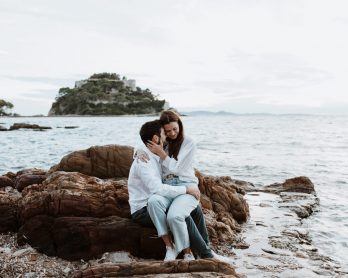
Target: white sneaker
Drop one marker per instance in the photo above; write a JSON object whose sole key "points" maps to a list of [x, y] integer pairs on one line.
{"points": [[189, 257], [170, 254]]}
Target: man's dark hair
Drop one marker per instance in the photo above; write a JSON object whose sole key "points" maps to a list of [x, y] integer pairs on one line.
{"points": [[149, 129]]}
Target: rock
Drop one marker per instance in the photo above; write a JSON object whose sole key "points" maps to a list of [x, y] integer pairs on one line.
{"points": [[299, 184], [71, 127], [23, 252], [16, 126], [28, 177], [66, 201], [2, 128], [6, 181], [74, 238], [8, 211], [225, 207], [302, 204], [75, 194], [110, 161], [203, 268]]}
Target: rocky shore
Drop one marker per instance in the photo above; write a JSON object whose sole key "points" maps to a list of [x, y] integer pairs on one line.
{"points": [[74, 221]]}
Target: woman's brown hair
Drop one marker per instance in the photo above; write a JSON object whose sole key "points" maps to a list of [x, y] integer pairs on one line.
{"points": [[173, 145]]}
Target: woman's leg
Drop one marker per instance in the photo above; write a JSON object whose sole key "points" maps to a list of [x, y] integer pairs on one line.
{"points": [[180, 209], [157, 207]]}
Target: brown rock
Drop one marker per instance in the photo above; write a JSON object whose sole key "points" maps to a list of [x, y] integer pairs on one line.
{"points": [[28, 177], [203, 268], [8, 212], [298, 184], [28, 126], [65, 195], [224, 207], [110, 161], [6, 181], [75, 238], [75, 194]]}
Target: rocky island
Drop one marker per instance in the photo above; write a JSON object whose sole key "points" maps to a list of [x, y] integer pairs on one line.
{"points": [[73, 220], [106, 94]]}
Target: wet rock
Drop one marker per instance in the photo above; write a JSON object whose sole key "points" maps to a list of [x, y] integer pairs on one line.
{"points": [[202, 268], [110, 161], [16, 126], [301, 203], [299, 184], [8, 211]]}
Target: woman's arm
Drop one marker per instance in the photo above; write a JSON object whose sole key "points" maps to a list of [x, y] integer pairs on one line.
{"points": [[185, 159]]}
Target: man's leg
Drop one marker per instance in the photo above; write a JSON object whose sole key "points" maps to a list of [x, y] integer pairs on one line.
{"points": [[198, 236], [198, 218], [143, 218]]}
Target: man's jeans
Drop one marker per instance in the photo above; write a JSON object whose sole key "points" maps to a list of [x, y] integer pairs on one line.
{"points": [[196, 227]]}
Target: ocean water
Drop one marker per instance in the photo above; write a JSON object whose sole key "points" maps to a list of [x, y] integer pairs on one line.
{"points": [[261, 149]]}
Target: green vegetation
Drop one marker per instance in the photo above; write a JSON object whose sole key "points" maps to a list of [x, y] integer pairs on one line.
{"points": [[4, 105], [105, 94]]}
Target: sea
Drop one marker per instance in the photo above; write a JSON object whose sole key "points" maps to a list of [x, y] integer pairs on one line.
{"points": [[258, 148]]}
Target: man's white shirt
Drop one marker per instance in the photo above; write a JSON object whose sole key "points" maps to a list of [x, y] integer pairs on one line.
{"points": [[145, 179]]}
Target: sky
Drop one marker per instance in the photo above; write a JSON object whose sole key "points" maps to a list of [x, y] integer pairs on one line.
{"points": [[241, 56]]}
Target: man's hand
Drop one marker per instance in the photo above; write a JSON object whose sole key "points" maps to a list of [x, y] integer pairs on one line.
{"points": [[194, 191]]}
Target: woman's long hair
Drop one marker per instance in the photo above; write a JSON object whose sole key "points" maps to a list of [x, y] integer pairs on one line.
{"points": [[173, 145]]}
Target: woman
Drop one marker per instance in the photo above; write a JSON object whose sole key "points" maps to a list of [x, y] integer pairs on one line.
{"points": [[177, 159]]}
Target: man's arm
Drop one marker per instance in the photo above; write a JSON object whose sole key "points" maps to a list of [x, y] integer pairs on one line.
{"points": [[154, 183]]}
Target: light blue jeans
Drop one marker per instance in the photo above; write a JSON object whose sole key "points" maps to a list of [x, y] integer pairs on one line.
{"points": [[171, 212]]}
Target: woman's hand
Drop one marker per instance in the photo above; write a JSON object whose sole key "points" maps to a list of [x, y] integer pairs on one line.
{"points": [[141, 155], [157, 149]]}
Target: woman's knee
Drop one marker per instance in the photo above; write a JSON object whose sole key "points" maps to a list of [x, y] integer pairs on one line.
{"points": [[175, 217]]}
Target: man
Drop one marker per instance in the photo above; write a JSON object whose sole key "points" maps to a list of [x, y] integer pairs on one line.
{"points": [[149, 198]]}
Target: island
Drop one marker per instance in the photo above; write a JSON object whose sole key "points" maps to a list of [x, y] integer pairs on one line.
{"points": [[106, 94]]}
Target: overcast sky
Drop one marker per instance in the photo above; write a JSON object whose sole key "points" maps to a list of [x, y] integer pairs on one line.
{"points": [[245, 56]]}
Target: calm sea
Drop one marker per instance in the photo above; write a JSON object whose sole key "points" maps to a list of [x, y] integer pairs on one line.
{"points": [[261, 149]]}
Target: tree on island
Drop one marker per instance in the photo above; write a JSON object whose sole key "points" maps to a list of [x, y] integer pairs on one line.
{"points": [[4, 105]]}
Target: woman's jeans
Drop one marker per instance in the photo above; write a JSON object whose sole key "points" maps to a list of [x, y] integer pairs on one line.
{"points": [[164, 210]]}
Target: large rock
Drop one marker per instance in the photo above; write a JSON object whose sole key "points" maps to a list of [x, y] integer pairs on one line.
{"points": [[76, 238], [67, 201], [178, 268], [75, 194], [8, 211], [110, 161], [225, 207]]}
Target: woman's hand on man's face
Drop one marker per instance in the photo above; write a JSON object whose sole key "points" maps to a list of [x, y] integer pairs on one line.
{"points": [[157, 149]]}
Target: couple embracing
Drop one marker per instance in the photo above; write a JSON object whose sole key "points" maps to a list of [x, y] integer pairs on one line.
{"points": [[163, 188]]}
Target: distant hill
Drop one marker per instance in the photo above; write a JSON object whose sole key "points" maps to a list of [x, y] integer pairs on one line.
{"points": [[105, 94], [207, 113]]}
